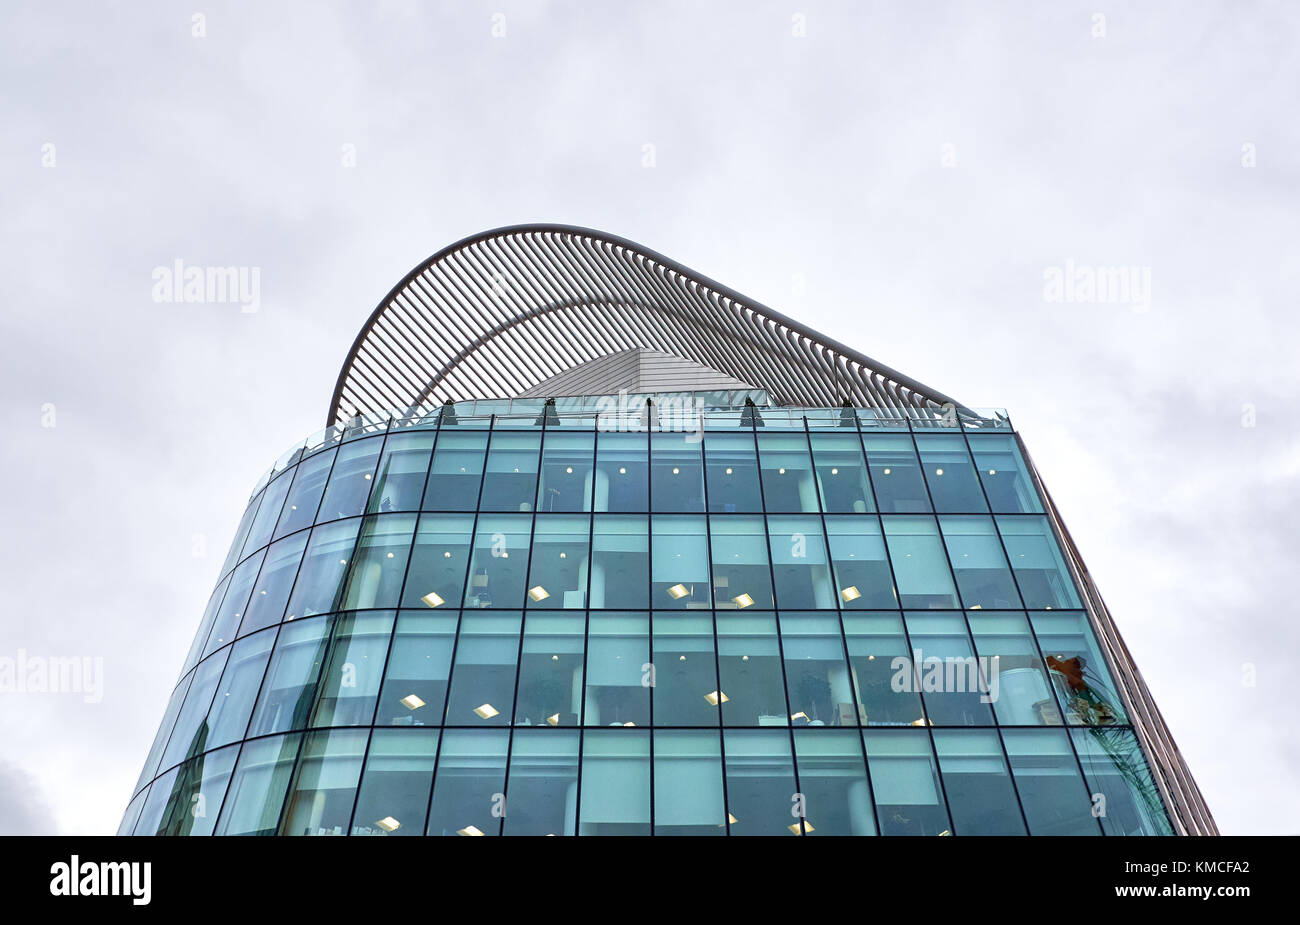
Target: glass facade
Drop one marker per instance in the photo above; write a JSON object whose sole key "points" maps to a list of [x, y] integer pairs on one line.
{"points": [[505, 619]]}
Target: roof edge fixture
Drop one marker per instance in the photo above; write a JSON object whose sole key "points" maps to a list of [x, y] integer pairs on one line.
{"points": [[503, 311]]}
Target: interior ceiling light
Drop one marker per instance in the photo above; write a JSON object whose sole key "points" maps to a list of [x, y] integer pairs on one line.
{"points": [[487, 711], [433, 599]]}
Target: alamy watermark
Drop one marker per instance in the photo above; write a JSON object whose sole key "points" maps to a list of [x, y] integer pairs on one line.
{"points": [[53, 674], [1106, 285], [951, 674], [240, 286]]}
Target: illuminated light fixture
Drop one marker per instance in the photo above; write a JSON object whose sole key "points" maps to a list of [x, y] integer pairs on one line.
{"points": [[918, 722], [946, 832], [564, 555], [732, 819], [886, 472], [744, 658], [389, 824], [677, 592], [835, 472], [294, 506], [433, 599], [538, 593], [796, 829], [1049, 606], [800, 715], [470, 830], [263, 592], [743, 601], [976, 606], [871, 658], [367, 475], [993, 472], [622, 470], [555, 658], [390, 555], [569, 470], [851, 593], [681, 658], [676, 470], [716, 697], [553, 719], [728, 470], [446, 555], [487, 711], [629, 724], [938, 472], [781, 471], [345, 561], [411, 702]]}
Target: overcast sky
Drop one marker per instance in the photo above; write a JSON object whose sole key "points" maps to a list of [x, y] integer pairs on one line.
{"points": [[902, 177]]}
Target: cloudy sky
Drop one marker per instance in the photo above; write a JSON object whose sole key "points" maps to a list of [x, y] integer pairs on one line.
{"points": [[902, 177]]}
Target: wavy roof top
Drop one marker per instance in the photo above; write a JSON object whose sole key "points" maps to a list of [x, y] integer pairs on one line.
{"points": [[498, 313]]}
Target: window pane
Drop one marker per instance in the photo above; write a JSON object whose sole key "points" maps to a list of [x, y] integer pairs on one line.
{"points": [[399, 480], [882, 663], [543, 794], [550, 670], [325, 785], [232, 607], [677, 473], [350, 482], [240, 682], [155, 804], [979, 563], [510, 483], [268, 513], [920, 564], [469, 788], [1040, 571], [319, 588], [436, 577], [190, 736], [686, 677], [1004, 474], [456, 471], [842, 474], [749, 670], [1021, 693], [568, 464], [951, 678], [500, 561], [619, 558], [1047, 777], [816, 674], [1115, 768], [414, 692], [205, 625], [1077, 669], [299, 510], [742, 576], [896, 474], [788, 483], [483, 678], [862, 577], [732, 466], [906, 782], [174, 705], [557, 577], [615, 797], [688, 783], [833, 779], [679, 564], [394, 792], [290, 684], [799, 563], [349, 685], [977, 783], [379, 564], [621, 466], [241, 533], [618, 689], [257, 790], [275, 581], [950, 473], [760, 783], [197, 792]]}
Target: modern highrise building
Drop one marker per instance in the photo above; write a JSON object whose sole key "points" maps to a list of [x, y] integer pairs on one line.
{"points": [[592, 544]]}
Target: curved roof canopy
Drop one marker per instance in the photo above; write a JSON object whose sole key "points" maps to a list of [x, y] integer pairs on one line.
{"points": [[497, 314]]}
